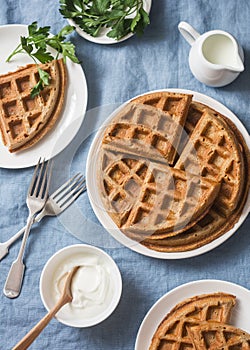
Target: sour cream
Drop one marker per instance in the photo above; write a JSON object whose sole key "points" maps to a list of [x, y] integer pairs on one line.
{"points": [[92, 287]]}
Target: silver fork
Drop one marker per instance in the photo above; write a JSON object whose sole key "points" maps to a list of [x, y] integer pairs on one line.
{"points": [[57, 202], [36, 199]]}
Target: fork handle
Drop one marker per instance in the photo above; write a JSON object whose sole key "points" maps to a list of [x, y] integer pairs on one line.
{"points": [[17, 235], [14, 279], [12, 239]]}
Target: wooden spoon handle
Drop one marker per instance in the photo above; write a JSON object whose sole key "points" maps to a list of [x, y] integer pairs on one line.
{"points": [[37, 329]]}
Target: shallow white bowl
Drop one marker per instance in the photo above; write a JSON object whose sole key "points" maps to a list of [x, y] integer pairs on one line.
{"points": [[46, 283], [102, 38]]}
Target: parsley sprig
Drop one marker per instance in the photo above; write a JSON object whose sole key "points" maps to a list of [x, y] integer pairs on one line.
{"points": [[36, 46], [120, 16]]}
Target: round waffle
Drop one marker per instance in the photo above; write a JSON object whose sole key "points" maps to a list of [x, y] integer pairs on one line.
{"points": [[211, 147]]}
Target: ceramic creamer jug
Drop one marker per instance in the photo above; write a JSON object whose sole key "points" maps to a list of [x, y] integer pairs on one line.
{"points": [[215, 57]]}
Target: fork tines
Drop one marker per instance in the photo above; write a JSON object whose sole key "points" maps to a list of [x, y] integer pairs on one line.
{"points": [[39, 185], [70, 191]]}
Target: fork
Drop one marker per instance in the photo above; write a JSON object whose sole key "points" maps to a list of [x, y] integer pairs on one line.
{"points": [[36, 199], [57, 202]]}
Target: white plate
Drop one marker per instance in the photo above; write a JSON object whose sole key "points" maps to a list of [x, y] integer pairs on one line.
{"points": [[102, 38], [240, 315], [107, 222], [72, 114]]}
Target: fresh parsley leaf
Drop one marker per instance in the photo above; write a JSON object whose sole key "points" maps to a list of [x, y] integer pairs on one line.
{"points": [[36, 89], [145, 17], [43, 81], [43, 56], [36, 46], [44, 76], [25, 45], [135, 21], [120, 16], [32, 28], [142, 23], [65, 31], [120, 29], [115, 13], [36, 43], [100, 6], [34, 31], [129, 3], [68, 50]]}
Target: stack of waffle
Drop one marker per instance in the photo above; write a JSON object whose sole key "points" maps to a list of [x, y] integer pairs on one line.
{"points": [[172, 172], [201, 323], [25, 120]]}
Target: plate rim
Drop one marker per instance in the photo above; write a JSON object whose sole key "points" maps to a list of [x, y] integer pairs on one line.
{"points": [[78, 119], [226, 285], [135, 246]]}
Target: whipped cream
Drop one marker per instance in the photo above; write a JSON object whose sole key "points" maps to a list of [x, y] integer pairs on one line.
{"points": [[91, 286]]}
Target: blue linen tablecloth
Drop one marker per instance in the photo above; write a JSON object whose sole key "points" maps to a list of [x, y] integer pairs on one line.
{"points": [[114, 74]]}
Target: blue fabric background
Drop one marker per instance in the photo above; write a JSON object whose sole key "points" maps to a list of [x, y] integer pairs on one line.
{"points": [[114, 74]]}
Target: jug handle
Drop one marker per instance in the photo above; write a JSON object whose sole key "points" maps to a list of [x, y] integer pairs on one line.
{"points": [[188, 32]]}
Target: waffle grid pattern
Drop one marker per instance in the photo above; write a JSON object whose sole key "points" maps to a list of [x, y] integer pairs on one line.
{"points": [[144, 130], [20, 111], [219, 157], [173, 104], [231, 198], [214, 151], [150, 198], [25, 120], [219, 336], [173, 332]]}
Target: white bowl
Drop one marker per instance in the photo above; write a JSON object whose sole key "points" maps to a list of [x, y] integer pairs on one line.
{"points": [[102, 38], [71, 255]]}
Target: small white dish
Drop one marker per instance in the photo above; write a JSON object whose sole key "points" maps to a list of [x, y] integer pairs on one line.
{"points": [[91, 313], [108, 223], [240, 314], [71, 116], [102, 38]]}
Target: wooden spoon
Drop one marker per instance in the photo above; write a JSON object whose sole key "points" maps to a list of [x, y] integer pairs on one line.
{"points": [[65, 298]]}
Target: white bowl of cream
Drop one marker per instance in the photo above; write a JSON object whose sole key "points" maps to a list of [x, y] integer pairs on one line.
{"points": [[96, 287]]}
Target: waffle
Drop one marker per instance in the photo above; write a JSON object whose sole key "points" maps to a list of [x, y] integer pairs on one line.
{"points": [[144, 130], [172, 333], [175, 107], [218, 336], [153, 199], [25, 120], [215, 223], [211, 148], [214, 144]]}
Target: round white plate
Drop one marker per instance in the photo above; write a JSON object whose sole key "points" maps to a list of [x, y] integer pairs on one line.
{"points": [[105, 219], [240, 315], [102, 38], [72, 114]]}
